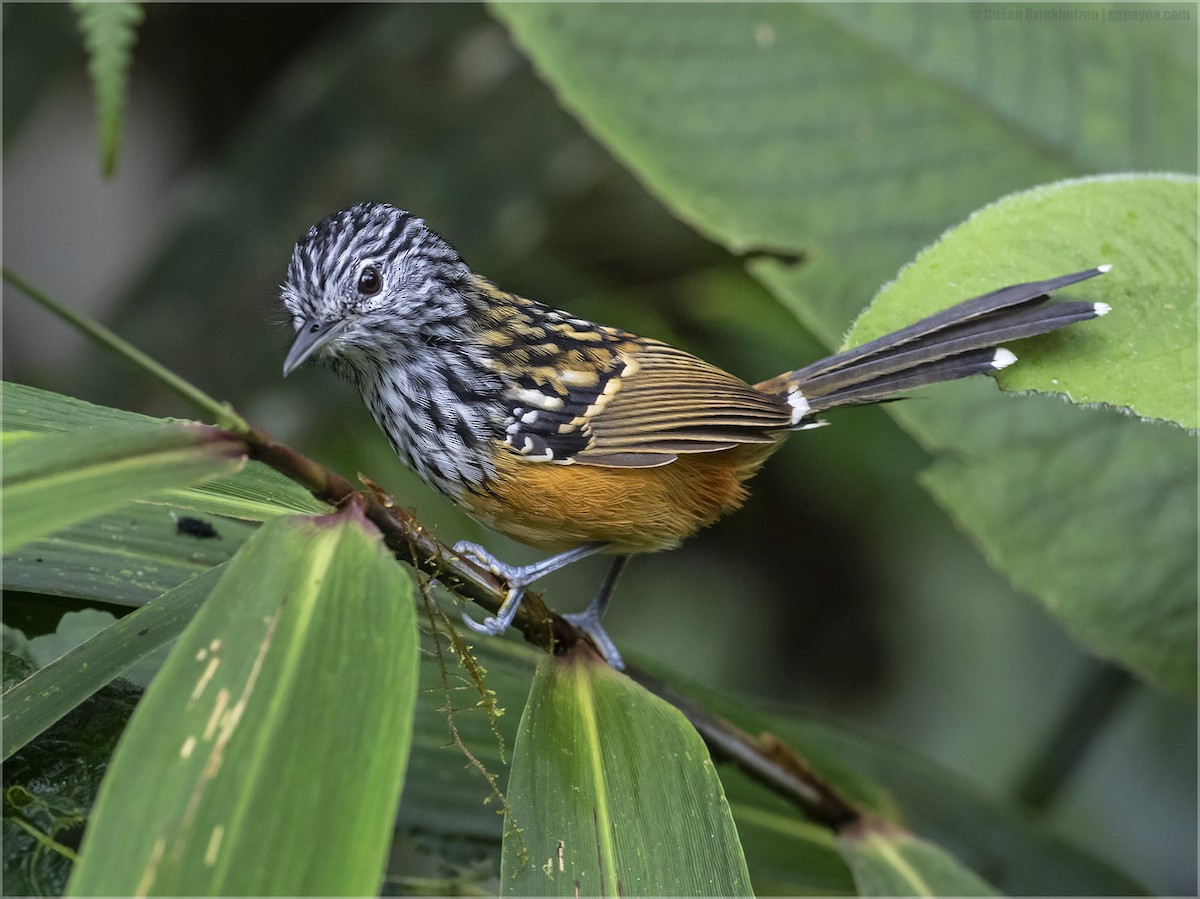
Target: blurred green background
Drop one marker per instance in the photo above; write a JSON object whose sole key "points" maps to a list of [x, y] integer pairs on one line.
{"points": [[840, 590]]}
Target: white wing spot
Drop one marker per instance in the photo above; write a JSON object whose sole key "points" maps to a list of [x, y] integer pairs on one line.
{"points": [[1003, 358]]}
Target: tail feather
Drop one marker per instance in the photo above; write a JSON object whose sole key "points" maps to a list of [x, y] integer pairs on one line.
{"points": [[987, 332], [955, 343], [949, 368]]}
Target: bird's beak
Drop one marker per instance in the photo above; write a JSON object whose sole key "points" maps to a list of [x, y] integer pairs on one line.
{"points": [[313, 335]]}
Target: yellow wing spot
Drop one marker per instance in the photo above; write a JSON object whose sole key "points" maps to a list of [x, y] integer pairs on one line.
{"points": [[588, 336], [579, 378]]}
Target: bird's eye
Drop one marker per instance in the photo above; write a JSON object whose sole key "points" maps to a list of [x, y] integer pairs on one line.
{"points": [[369, 281]]}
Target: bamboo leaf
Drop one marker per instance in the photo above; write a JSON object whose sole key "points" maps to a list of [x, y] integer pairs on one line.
{"points": [[54, 480], [127, 557], [615, 793], [308, 637], [888, 861], [256, 493]]}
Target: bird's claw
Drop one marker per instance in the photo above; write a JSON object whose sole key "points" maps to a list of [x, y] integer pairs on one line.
{"points": [[475, 553], [490, 626]]}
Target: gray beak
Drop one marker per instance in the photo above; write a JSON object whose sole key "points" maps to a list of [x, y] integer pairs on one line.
{"points": [[313, 335]]}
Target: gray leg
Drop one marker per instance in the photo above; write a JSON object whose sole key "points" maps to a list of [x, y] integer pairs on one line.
{"points": [[518, 578], [588, 620]]}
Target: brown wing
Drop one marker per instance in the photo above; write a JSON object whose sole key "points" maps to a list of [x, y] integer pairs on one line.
{"points": [[579, 392], [668, 403]]}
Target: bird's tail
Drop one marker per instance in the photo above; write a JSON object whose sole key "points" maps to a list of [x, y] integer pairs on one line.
{"points": [[955, 343]]}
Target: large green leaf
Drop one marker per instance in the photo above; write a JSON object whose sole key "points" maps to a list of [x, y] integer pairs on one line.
{"points": [[1094, 517], [615, 794], [854, 134], [268, 756], [54, 480], [1087, 509], [1140, 357]]}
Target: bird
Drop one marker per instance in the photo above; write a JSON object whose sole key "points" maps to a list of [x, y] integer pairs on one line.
{"points": [[577, 438]]}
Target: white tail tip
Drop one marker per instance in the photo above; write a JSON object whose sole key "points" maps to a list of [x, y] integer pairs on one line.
{"points": [[1102, 309], [799, 404], [1003, 358], [1104, 269]]}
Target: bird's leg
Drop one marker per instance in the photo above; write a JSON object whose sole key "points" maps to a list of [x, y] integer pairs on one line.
{"points": [[588, 620], [518, 577]]}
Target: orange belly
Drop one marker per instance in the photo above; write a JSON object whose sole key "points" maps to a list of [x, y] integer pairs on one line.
{"points": [[555, 507]]}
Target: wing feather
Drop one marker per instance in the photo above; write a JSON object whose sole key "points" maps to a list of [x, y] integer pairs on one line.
{"points": [[673, 403], [583, 393]]}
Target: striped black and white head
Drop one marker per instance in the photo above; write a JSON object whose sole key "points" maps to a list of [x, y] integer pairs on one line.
{"points": [[368, 287], [387, 303]]}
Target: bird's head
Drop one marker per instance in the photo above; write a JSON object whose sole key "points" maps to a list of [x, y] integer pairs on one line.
{"points": [[367, 280]]}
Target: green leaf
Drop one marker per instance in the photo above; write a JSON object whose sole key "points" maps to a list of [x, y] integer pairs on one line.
{"points": [[887, 861], [1142, 356], [127, 557], [615, 794], [786, 855], [33, 409], [54, 480], [278, 729], [256, 493], [1090, 511], [51, 692], [109, 33], [853, 134]]}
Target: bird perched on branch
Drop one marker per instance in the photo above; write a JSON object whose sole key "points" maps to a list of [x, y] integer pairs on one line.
{"points": [[578, 438]]}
